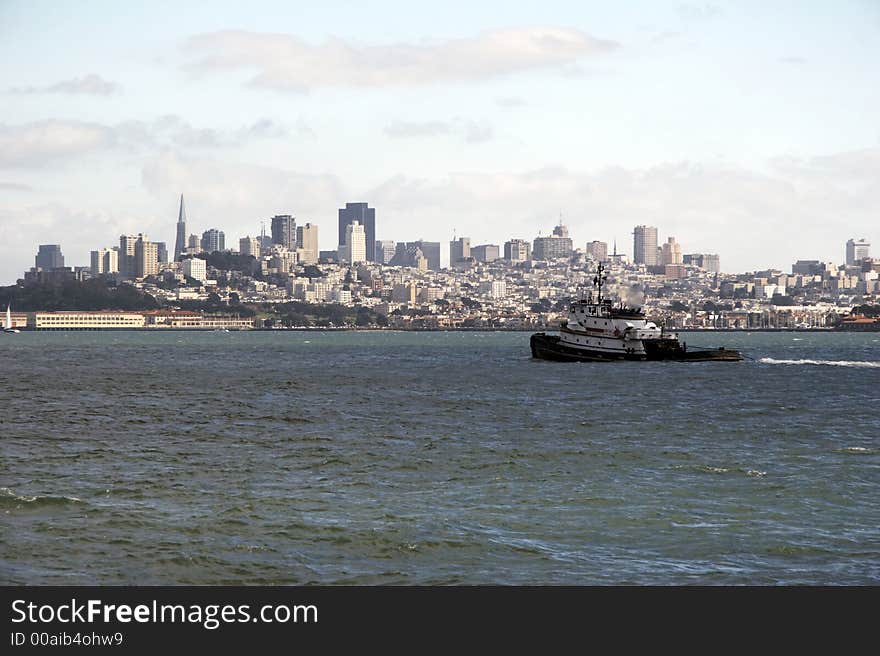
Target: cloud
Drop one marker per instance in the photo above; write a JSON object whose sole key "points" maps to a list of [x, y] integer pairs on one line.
{"points": [[42, 143], [93, 85], [468, 130], [15, 186], [510, 102], [797, 61], [703, 12], [286, 62]]}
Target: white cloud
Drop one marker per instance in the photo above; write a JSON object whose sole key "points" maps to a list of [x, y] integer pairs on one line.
{"points": [[93, 85], [286, 62], [469, 130], [45, 142]]}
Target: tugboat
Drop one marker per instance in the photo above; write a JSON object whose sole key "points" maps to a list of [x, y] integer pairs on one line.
{"points": [[601, 331]]}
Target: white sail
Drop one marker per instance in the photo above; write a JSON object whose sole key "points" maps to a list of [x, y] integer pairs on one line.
{"points": [[8, 325]]}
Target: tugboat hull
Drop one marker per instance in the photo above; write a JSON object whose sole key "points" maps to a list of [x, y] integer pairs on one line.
{"points": [[550, 347]]}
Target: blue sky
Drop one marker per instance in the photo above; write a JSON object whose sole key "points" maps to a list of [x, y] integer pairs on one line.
{"points": [[749, 129]]}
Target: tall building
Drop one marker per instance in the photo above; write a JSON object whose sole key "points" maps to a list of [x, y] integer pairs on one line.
{"points": [[385, 251], [127, 245], [193, 245], [307, 243], [284, 231], [213, 240], [365, 216], [196, 267], [105, 260], [459, 249], [146, 258], [180, 242], [161, 252], [517, 250], [712, 263], [856, 251], [249, 246], [554, 246], [430, 250], [645, 245], [49, 257], [354, 250], [671, 252], [598, 250], [485, 252]]}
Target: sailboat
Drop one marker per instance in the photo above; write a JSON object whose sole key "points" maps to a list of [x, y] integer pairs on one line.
{"points": [[7, 327]]}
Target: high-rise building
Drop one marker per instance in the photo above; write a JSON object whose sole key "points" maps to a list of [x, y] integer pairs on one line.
{"points": [[284, 231], [385, 251], [354, 250], [180, 242], [645, 245], [554, 246], [307, 243], [105, 260], [161, 252], [213, 240], [712, 263], [249, 246], [49, 257], [517, 250], [671, 252], [430, 250], [485, 252], [459, 249], [146, 258], [366, 216], [196, 268], [598, 250], [127, 245], [856, 251]]}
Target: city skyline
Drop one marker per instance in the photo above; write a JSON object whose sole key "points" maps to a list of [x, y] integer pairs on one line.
{"points": [[486, 127]]}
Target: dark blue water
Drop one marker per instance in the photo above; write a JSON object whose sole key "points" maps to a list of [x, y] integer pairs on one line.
{"points": [[434, 458]]}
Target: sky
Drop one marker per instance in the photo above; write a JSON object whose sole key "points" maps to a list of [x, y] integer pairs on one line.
{"points": [[747, 129]]}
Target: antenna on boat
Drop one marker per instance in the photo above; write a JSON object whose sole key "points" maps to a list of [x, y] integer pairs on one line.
{"points": [[599, 281]]}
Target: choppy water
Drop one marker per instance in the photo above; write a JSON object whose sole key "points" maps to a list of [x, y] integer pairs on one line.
{"points": [[403, 458]]}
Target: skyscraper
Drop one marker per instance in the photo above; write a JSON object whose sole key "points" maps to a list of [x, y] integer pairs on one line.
{"points": [[485, 252], [366, 216], [49, 257], [180, 243], [213, 240], [555, 246], [856, 251], [146, 260], [105, 260], [385, 250], [598, 250], [517, 250], [430, 250], [284, 231], [459, 249], [161, 252], [671, 252], [249, 246], [354, 249], [645, 245], [307, 243], [126, 255]]}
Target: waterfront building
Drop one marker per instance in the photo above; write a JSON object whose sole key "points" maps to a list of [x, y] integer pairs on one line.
{"points": [[486, 253], [213, 240], [366, 217], [598, 250], [517, 250], [49, 257], [180, 241], [84, 320], [284, 231], [307, 243], [856, 251], [645, 245]]}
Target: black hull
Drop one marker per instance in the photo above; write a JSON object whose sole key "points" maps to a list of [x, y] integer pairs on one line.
{"points": [[549, 347]]}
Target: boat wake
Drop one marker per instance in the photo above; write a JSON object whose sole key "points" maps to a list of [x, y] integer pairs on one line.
{"points": [[9, 499], [830, 363]]}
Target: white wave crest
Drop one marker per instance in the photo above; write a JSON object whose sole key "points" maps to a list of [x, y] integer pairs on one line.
{"points": [[830, 363]]}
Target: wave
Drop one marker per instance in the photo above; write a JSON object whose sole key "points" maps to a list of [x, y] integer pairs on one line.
{"points": [[9, 499], [830, 363]]}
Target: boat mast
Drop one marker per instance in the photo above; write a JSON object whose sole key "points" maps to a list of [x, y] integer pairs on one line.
{"points": [[599, 280]]}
